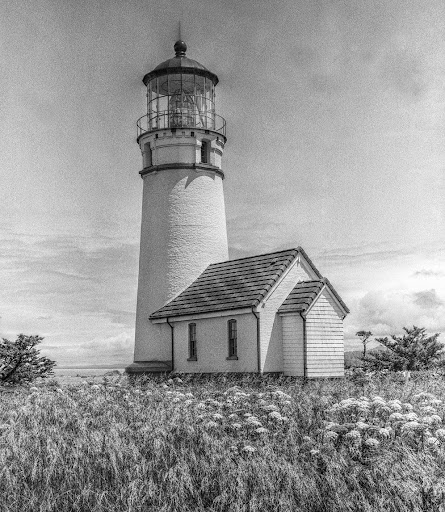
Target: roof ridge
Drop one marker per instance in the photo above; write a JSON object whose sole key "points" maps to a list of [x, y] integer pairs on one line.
{"points": [[255, 256]]}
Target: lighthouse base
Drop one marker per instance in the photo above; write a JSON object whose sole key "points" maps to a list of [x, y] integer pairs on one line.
{"points": [[139, 367]]}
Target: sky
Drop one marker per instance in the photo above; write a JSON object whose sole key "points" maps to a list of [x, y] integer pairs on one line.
{"points": [[335, 116]]}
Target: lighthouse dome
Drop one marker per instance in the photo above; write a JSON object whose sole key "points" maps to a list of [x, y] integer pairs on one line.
{"points": [[180, 63]]}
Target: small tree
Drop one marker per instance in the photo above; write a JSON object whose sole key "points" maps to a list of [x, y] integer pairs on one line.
{"points": [[364, 338], [20, 360], [412, 351]]}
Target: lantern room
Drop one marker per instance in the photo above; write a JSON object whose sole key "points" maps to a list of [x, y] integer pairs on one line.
{"points": [[180, 94]]}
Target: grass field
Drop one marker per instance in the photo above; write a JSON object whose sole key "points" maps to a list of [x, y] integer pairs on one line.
{"points": [[224, 444]]}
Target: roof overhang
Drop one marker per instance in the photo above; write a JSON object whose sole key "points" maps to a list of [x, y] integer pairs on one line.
{"points": [[199, 316]]}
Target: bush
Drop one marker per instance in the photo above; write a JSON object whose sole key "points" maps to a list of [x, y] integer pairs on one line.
{"points": [[20, 360], [413, 351]]}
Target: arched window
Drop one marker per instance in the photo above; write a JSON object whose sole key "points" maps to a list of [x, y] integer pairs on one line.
{"points": [[232, 338], [193, 355]]}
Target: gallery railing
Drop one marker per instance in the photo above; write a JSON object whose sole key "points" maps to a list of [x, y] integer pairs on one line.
{"points": [[181, 119]]}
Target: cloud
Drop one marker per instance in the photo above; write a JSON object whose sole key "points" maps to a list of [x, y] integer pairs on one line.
{"points": [[428, 273], [385, 312], [427, 299], [404, 72]]}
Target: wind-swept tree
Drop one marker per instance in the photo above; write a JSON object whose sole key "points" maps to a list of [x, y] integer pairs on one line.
{"points": [[20, 360], [364, 338], [412, 351]]}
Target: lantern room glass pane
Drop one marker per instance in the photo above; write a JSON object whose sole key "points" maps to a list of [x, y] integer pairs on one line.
{"points": [[180, 100], [188, 84], [200, 85]]}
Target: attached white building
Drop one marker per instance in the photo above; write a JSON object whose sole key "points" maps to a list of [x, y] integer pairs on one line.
{"points": [[198, 311], [267, 313]]}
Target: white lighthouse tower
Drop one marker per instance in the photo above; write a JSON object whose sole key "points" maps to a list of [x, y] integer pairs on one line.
{"points": [[183, 216]]}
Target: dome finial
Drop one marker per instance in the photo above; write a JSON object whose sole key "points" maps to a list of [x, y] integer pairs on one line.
{"points": [[180, 48]]}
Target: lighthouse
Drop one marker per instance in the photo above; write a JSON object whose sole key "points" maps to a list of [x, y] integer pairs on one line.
{"points": [[183, 227]]}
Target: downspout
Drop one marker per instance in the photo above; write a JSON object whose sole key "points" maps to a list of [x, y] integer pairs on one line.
{"points": [[304, 346], [173, 345], [258, 340]]}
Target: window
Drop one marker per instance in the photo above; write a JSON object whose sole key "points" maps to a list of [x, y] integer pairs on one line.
{"points": [[231, 324], [205, 147], [147, 155], [192, 343]]}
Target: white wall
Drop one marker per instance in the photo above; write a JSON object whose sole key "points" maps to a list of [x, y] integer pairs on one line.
{"points": [[183, 230], [324, 339], [293, 345], [212, 345], [271, 329]]}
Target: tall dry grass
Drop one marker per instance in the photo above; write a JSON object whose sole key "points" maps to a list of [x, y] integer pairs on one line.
{"points": [[216, 444]]}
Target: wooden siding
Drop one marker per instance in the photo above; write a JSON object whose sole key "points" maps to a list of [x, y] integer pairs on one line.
{"points": [[293, 345], [324, 335]]}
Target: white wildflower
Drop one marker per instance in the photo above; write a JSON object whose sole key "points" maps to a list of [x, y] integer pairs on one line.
{"points": [[331, 436], [201, 406], [440, 434], [330, 425], [274, 415], [353, 435], [432, 441], [428, 410], [33, 389], [188, 402], [435, 418], [262, 402], [247, 415], [211, 424], [410, 426], [176, 400], [282, 396], [236, 426], [360, 425], [218, 416], [385, 432], [189, 395], [233, 416], [396, 416], [396, 407], [249, 449], [411, 416], [270, 407], [314, 452], [261, 430], [372, 443], [407, 407]]}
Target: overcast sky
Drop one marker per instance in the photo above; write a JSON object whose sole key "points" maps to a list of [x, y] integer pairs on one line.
{"points": [[336, 127]]}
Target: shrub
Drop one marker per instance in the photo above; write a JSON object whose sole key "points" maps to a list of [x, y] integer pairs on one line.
{"points": [[20, 360], [413, 351]]}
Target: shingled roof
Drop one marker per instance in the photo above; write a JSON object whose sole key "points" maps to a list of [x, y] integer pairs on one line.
{"points": [[232, 284], [302, 296], [304, 293]]}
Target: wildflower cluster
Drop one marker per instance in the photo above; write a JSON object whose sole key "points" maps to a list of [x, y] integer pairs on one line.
{"points": [[368, 422]]}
